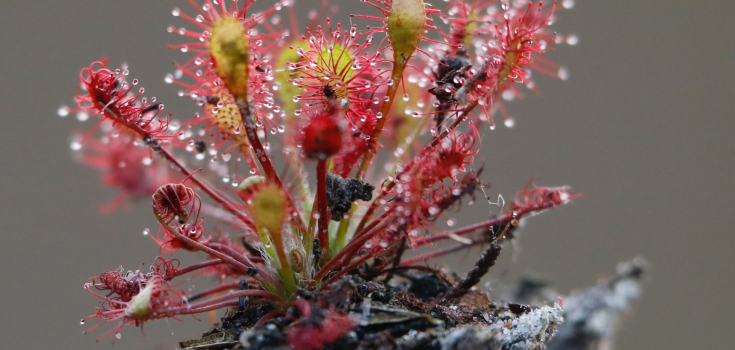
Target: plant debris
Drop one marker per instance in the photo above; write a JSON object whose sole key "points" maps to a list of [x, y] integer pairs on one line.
{"points": [[403, 315], [591, 315], [341, 193]]}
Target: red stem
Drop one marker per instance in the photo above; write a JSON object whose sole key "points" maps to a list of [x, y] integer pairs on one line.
{"points": [[207, 308], [396, 78], [349, 267], [235, 254], [367, 231], [323, 221], [217, 289], [194, 267], [441, 252], [513, 215], [219, 299], [252, 132], [226, 258], [361, 231], [352, 247]]}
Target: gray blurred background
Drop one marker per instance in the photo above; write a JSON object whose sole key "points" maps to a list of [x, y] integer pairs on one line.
{"points": [[643, 128]]}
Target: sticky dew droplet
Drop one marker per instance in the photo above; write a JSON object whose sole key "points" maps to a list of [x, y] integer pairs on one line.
{"points": [[563, 74], [63, 111]]}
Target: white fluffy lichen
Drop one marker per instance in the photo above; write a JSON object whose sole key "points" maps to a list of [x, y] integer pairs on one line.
{"points": [[528, 331]]}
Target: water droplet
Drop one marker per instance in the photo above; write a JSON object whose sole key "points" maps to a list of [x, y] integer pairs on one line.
{"points": [[63, 111], [451, 222], [508, 95], [563, 74], [568, 4], [82, 116], [226, 157], [146, 231], [75, 145], [81, 322], [176, 12], [405, 97], [509, 122], [118, 335], [147, 161]]}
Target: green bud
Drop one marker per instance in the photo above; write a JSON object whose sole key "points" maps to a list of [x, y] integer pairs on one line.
{"points": [[228, 47], [406, 27], [269, 209]]}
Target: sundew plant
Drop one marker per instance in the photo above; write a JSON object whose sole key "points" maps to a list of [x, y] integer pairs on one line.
{"points": [[315, 152]]}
